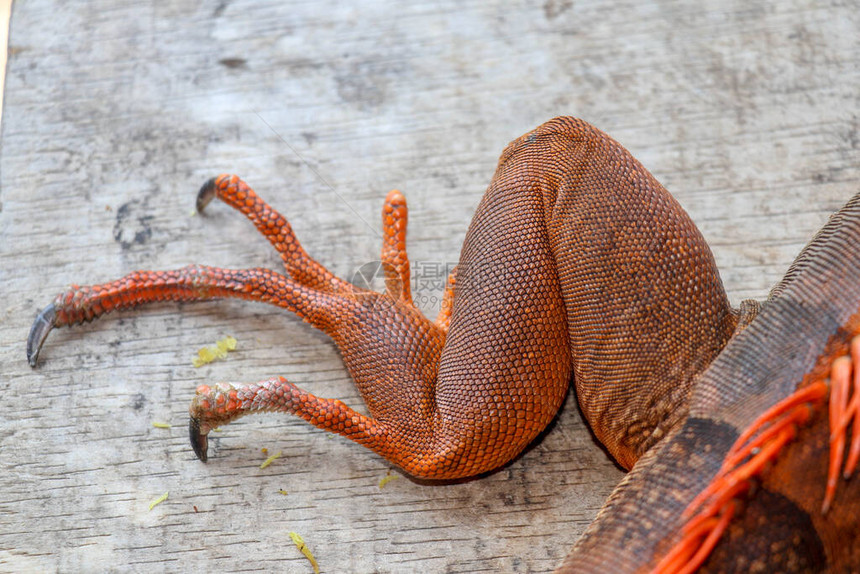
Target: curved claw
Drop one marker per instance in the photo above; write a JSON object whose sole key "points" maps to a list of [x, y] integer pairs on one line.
{"points": [[205, 195], [45, 321], [199, 440]]}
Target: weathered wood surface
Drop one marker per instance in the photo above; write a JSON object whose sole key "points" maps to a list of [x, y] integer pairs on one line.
{"points": [[116, 113]]}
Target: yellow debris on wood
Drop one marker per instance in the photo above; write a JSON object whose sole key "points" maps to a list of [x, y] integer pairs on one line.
{"points": [[160, 425], [204, 356], [208, 354], [271, 459], [158, 500], [300, 544], [226, 344], [387, 478]]}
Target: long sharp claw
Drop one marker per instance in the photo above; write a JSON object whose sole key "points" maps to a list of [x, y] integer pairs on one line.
{"points": [[199, 440], [45, 321], [205, 195]]}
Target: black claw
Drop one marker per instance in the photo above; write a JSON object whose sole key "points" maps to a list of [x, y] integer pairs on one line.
{"points": [[205, 195], [199, 441], [45, 321]]}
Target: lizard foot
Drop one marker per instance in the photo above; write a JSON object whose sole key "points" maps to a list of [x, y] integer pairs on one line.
{"points": [[709, 514], [760, 444]]}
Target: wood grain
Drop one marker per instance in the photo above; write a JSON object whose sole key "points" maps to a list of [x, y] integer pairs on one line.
{"points": [[116, 113]]}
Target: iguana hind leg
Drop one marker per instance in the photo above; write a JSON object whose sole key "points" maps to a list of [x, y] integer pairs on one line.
{"points": [[389, 347]]}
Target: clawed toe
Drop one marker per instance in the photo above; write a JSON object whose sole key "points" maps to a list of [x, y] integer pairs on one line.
{"points": [[45, 321], [206, 194], [199, 440]]}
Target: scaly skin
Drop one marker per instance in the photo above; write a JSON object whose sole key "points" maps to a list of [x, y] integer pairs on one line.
{"points": [[578, 263], [803, 330]]}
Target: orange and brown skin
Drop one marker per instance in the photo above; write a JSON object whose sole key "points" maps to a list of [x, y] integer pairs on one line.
{"points": [[806, 323], [578, 265]]}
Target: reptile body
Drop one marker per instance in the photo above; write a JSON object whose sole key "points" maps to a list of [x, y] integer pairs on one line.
{"points": [[578, 265], [809, 320]]}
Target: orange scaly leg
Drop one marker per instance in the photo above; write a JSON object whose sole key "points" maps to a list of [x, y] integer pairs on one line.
{"points": [[215, 406], [395, 263], [80, 304], [275, 227], [362, 323], [191, 283], [225, 402]]}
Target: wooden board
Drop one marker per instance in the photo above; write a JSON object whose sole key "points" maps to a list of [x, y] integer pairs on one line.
{"points": [[115, 114]]}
